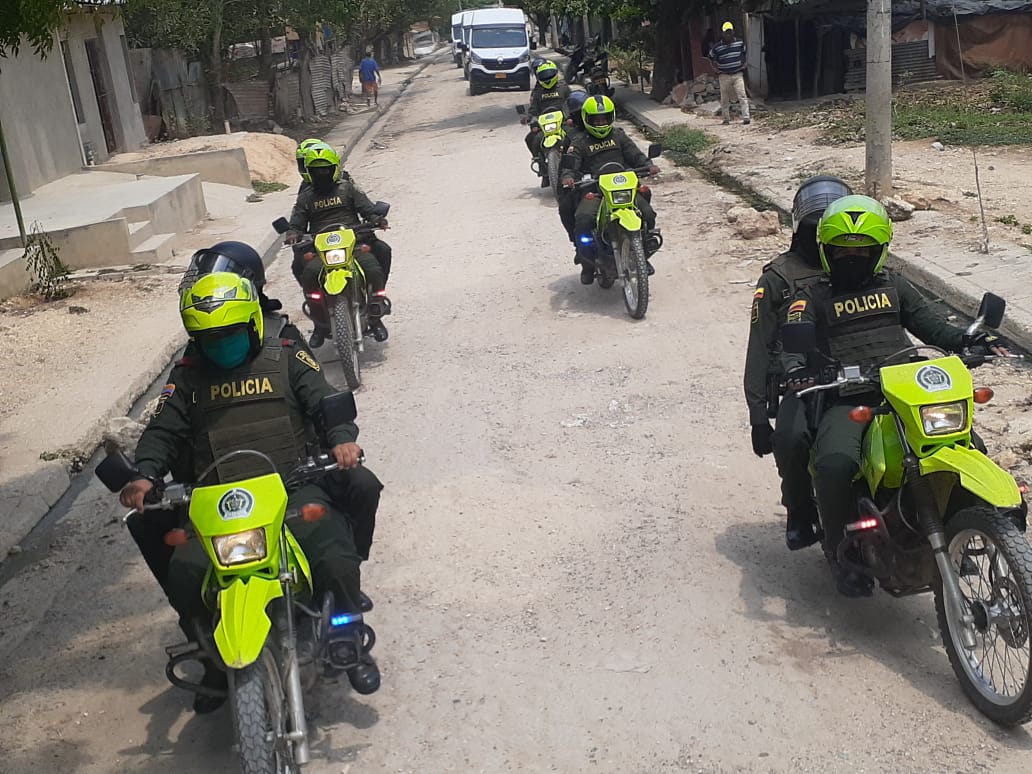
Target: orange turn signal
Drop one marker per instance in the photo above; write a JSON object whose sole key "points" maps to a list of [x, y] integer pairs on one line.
{"points": [[176, 537], [643, 189], [862, 414], [365, 248], [590, 196], [983, 394], [309, 256], [312, 511]]}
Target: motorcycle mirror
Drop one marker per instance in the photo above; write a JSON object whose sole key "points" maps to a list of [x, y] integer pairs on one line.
{"points": [[115, 471], [655, 150], [281, 225], [991, 310], [521, 109], [799, 338], [380, 209], [338, 409]]}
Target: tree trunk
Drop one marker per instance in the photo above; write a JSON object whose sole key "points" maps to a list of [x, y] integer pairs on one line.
{"points": [[218, 102], [265, 56], [668, 48], [304, 77]]}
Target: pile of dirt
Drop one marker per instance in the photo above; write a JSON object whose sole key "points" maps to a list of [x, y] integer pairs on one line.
{"points": [[270, 157]]}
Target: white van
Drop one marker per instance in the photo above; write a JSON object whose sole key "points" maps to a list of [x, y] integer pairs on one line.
{"points": [[456, 38], [498, 55], [467, 30]]}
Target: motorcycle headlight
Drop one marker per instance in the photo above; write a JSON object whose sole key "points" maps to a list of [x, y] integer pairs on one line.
{"points": [[551, 126], [623, 197], [240, 547], [944, 418], [335, 257]]}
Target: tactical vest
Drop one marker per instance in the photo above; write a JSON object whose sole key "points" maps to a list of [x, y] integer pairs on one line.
{"points": [[249, 407], [862, 327], [599, 152], [795, 273], [552, 99], [325, 210]]}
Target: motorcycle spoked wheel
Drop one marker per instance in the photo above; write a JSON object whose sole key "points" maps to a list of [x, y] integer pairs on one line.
{"points": [[259, 707], [553, 169], [344, 341], [995, 560], [632, 269]]}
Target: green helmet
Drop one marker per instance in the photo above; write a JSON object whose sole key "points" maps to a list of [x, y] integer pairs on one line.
{"points": [[855, 221], [221, 300], [599, 115], [322, 155], [547, 74], [302, 151]]}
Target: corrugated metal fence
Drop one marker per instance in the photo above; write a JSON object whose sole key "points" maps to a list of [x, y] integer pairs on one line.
{"points": [[911, 62]]}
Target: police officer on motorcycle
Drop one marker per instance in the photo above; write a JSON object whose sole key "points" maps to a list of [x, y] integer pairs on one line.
{"points": [[548, 94], [335, 200], [574, 128], [862, 314], [197, 422], [602, 143], [782, 278]]}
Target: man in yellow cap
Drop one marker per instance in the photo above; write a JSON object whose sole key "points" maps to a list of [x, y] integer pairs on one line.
{"points": [[728, 56]]}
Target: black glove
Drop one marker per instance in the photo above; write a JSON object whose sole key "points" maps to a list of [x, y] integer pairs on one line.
{"points": [[762, 439], [987, 341], [800, 378]]}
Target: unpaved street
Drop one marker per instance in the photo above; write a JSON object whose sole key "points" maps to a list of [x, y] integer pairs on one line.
{"points": [[579, 563]]}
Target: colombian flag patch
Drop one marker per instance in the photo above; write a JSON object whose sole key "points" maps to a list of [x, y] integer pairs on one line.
{"points": [[758, 293], [797, 306]]}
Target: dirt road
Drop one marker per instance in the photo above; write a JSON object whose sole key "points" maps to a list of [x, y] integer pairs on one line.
{"points": [[579, 565]]}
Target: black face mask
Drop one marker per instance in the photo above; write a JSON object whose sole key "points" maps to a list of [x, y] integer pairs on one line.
{"points": [[852, 273], [322, 181], [804, 244]]}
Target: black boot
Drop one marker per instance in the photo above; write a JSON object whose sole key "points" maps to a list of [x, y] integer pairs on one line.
{"points": [[216, 679], [365, 678], [318, 338], [802, 530], [587, 273], [378, 329], [850, 583]]}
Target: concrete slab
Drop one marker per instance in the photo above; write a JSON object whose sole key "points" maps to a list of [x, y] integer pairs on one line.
{"points": [[227, 166], [928, 249]]}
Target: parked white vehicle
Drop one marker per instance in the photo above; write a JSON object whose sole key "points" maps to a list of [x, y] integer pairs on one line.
{"points": [[498, 53]]}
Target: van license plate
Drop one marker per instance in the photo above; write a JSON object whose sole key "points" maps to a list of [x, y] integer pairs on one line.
{"points": [[500, 75]]}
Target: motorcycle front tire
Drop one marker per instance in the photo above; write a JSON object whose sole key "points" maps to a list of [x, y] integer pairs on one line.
{"points": [[258, 705], [344, 340]]}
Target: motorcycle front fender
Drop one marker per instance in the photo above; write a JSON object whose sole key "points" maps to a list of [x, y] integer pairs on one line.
{"points": [[977, 473], [628, 218], [243, 623], [335, 281]]}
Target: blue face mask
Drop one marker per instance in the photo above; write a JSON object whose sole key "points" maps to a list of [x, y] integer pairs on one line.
{"points": [[228, 351]]}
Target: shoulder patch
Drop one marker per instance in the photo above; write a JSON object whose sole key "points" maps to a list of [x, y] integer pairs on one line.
{"points": [[798, 306], [166, 392], [189, 362], [308, 360], [759, 293]]}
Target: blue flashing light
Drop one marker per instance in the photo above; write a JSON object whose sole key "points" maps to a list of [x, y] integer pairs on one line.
{"points": [[344, 619], [585, 239]]}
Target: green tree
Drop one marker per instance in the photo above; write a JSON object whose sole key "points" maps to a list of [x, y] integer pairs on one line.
{"points": [[35, 20]]}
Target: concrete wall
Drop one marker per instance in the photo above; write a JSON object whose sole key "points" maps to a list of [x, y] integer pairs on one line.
{"points": [[43, 136]]}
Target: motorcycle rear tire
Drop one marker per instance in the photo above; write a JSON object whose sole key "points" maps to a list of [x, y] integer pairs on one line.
{"points": [[255, 692], [1016, 551], [635, 275], [344, 340], [553, 169]]}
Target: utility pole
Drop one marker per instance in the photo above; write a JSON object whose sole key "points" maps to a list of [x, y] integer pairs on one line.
{"points": [[879, 98], [6, 158]]}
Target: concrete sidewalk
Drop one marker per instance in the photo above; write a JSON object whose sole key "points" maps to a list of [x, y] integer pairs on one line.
{"points": [[929, 248], [75, 404]]}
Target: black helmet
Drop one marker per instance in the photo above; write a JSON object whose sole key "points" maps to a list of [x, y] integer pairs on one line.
{"points": [[814, 196]]}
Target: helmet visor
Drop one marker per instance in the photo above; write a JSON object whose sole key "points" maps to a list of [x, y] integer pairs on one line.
{"points": [[600, 120], [548, 74], [207, 262]]}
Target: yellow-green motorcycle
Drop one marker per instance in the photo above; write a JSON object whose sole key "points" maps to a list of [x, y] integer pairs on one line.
{"points": [[551, 126], [263, 632], [622, 243], [934, 513], [341, 303]]}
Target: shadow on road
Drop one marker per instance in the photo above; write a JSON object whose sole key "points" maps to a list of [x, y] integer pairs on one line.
{"points": [[819, 624]]}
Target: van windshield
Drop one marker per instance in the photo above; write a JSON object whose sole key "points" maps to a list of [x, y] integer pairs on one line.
{"points": [[499, 37]]}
